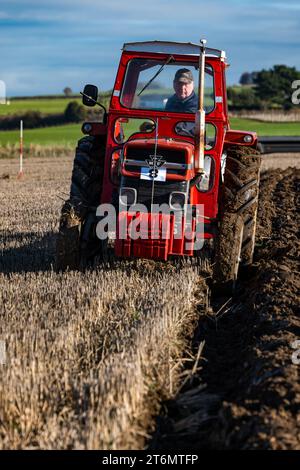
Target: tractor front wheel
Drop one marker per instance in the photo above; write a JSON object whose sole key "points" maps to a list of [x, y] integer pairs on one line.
{"points": [[76, 241]]}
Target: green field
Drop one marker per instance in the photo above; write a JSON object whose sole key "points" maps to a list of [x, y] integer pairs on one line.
{"points": [[69, 134], [266, 128], [56, 135], [47, 106]]}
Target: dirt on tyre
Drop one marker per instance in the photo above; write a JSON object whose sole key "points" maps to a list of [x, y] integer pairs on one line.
{"points": [[76, 240], [237, 217], [228, 253]]}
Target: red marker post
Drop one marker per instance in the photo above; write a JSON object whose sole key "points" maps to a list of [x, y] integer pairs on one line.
{"points": [[20, 174]]}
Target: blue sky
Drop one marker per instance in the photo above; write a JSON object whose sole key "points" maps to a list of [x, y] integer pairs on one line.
{"points": [[47, 45]]}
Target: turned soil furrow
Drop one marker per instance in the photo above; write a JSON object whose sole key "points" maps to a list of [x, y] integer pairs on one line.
{"points": [[248, 393]]}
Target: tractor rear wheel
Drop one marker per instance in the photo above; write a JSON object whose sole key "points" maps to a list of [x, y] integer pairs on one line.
{"points": [[78, 215], [238, 213]]}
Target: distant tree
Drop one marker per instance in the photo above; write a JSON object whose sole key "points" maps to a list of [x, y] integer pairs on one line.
{"points": [[153, 86], [74, 112], [254, 77], [242, 98], [248, 78], [274, 86], [156, 85], [32, 119], [68, 91]]}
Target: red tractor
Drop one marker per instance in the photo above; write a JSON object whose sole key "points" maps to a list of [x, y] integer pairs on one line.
{"points": [[158, 147]]}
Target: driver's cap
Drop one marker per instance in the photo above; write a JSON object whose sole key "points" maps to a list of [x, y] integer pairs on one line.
{"points": [[184, 76]]}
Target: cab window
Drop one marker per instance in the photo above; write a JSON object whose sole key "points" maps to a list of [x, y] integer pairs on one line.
{"points": [[149, 84]]}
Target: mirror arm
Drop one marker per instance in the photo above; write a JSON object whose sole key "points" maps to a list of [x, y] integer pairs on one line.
{"points": [[99, 104], [96, 102]]}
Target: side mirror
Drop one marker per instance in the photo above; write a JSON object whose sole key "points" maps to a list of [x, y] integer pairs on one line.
{"points": [[90, 95]]}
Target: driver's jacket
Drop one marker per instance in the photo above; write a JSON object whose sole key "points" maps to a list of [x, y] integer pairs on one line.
{"points": [[188, 105]]}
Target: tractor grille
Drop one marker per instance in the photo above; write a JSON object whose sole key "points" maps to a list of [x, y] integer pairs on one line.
{"points": [[162, 190], [170, 155], [175, 159]]}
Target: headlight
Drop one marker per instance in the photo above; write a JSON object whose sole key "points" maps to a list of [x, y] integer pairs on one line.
{"points": [[128, 196], [86, 128], [177, 200], [248, 139]]}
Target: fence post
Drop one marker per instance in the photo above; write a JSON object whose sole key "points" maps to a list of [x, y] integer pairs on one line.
{"points": [[20, 174]]}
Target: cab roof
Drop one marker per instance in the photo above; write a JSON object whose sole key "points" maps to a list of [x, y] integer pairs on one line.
{"points": [[165, 47]]}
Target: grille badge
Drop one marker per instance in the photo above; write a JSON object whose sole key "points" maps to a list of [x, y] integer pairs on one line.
{"points": [[155, 162]]}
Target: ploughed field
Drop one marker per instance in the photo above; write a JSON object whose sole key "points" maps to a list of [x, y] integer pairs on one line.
{"points": [[140, 354]]}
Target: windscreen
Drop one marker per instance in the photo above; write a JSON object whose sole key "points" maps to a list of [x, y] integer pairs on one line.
{"points": [[166, 86]]}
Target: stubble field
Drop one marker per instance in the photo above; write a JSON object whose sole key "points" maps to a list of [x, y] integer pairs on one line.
{"points": [[92, 356]]}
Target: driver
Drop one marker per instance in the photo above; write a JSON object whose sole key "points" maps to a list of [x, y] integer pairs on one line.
{"points": [[184, 100]]}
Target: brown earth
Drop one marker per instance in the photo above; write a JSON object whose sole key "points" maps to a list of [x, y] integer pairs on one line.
{"points": [[247, 393]]}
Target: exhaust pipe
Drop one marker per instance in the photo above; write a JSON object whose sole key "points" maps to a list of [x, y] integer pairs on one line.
{"points": [[200, 114]]}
